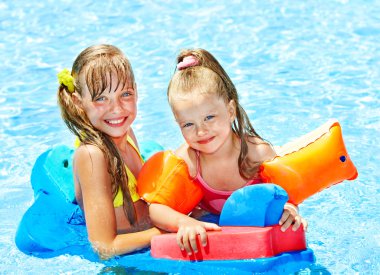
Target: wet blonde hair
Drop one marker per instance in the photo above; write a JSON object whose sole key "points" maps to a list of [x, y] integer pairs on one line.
{"points": [[208, 76], [96, 64]]}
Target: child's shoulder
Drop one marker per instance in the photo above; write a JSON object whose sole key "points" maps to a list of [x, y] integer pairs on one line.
{"points": [[260, 150], [90, 167], [87, 154], [188, 155]]}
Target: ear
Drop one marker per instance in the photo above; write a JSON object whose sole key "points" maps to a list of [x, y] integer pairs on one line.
{"points": [[77, 99], [231, 106]]}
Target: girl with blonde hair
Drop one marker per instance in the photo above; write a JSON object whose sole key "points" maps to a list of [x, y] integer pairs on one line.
{"points": [[223, 151]]}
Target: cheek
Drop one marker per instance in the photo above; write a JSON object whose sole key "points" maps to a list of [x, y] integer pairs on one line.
{"points": [[92, 111], [186, 135], [131, 106], [89, 110], [221, 123], [93, 116], [223, 126]]}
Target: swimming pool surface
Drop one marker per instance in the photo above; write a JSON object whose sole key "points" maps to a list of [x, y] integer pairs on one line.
{"points": [[295, 64]]}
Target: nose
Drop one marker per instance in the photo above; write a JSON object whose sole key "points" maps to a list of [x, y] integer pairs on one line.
{"points": [[201, 130], [115, 106]]}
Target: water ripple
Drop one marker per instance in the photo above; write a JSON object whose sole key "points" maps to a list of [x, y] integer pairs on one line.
{"points": [[295, 64]]}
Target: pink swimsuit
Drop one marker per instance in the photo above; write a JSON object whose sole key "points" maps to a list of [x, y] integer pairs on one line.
{"points": [[213, 200]]}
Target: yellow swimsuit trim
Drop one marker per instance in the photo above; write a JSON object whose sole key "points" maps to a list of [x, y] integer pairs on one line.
{"points": [[132, 182]]}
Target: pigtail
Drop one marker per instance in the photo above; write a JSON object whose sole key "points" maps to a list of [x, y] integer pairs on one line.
{"points": [[116, 169], [243, 127]]}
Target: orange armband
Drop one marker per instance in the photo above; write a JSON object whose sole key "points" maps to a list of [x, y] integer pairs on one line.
{"points": [[165, 179], [311, 163]]}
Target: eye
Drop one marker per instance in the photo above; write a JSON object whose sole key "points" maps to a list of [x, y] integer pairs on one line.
{"points": [[126, 94], [100, 99], [342, 158], [187, 125], [209, 117]]}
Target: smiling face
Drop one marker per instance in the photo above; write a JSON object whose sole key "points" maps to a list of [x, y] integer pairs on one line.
{"points": [[113, 110], [205, 120]]}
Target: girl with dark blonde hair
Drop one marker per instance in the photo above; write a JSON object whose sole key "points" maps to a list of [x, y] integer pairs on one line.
{"points": [[98, 102]]}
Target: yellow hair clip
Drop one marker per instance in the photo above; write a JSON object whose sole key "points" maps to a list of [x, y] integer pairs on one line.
{"points": [[65, 78]]}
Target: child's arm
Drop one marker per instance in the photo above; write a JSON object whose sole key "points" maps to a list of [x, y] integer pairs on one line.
{"points": [[90, 170], [187, 228]]}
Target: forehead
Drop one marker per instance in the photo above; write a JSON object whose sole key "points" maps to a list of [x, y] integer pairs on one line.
{"points": [[107, 82], [188, 105]]}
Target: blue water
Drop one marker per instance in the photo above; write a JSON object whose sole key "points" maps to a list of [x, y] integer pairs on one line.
{"points": [[295, 64]]}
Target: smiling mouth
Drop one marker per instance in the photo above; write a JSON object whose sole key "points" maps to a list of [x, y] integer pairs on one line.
{"points": [[205, 141], [115, 122]]}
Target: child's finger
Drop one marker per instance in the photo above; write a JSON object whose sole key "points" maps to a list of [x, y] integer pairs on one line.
{"points": [[193, 242], [186, 244], [286, 225], [179, 239], [203, 236], [284, 217], [296, 223], [304, 223], [211, 226]]}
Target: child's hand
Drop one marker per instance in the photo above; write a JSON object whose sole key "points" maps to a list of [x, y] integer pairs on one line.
{"points": [[290, 216], [188, 230]]}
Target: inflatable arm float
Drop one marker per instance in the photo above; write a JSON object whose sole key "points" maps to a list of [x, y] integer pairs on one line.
{"points": [[303, 167], [311, 163], [165, 179]]}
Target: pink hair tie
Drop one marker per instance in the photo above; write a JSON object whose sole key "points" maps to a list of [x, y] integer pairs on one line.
{"points": [[188, 61]]}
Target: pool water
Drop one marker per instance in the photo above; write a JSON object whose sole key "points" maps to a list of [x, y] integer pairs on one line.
{"points": [[295, 64]]}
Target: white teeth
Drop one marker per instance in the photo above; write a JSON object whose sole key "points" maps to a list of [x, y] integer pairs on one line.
{"points": [[115, 121]]}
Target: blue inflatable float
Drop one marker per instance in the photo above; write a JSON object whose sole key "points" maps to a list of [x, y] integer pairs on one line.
{"points": [[54, 224]]}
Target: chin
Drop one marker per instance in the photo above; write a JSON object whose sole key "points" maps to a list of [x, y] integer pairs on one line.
{"points": [[117, 134], [209, 150]]}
